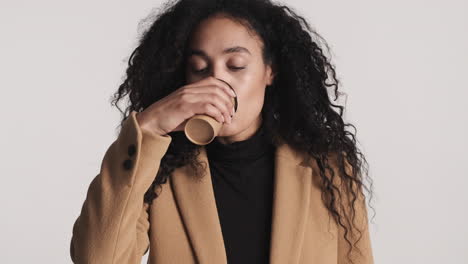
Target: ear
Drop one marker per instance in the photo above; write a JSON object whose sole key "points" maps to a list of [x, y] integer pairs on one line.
{"points": [[270, 75]]}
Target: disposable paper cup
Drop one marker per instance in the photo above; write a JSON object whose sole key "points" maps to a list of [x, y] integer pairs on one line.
{"points": [[202, 129]]}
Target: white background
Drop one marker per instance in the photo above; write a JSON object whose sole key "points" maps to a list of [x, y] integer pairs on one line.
{"points": [[402, 63]]}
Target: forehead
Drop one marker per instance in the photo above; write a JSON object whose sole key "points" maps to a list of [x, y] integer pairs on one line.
{"points": [[215, 34]]}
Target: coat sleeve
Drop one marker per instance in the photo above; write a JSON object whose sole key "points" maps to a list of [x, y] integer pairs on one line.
{"points": [[363, 254], [113, 223]]}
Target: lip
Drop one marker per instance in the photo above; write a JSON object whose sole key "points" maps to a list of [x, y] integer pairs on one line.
{"points": [[235, 98]]}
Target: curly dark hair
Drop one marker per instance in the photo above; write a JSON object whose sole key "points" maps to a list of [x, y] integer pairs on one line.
{"points": [[297, 107]]}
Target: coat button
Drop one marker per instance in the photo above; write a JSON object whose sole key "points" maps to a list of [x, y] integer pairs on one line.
{"points": [[127, 164], [131, 150]]}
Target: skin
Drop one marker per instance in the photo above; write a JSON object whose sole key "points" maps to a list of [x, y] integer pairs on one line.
{"points": [[208, 40]]}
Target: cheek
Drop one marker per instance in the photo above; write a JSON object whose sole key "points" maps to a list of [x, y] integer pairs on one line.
{"points": [[250, 105]]}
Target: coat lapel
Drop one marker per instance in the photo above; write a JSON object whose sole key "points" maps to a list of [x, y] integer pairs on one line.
{"points": [[196, 201], [291, 201]]}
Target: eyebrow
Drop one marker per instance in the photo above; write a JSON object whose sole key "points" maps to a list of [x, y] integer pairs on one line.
{"points": [[225, 51]]}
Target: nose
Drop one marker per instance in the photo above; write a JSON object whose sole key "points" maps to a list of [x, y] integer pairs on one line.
{"points": [[218, 71], [218, 74]]}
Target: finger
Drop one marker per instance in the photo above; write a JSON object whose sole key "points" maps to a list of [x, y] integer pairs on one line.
{"points": [[218, 101], [226, 85], [216, 90], [232, 92], [215, 81], [211, 110]]}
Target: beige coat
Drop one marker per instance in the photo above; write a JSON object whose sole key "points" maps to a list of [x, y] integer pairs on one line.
{"points": [[114, 223]]}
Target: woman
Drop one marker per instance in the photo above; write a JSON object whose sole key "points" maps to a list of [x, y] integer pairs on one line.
{"points": [[281, 183]]}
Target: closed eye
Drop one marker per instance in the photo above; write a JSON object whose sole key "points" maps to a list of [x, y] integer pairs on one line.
{"points": [[237, 68], [234, 68]]}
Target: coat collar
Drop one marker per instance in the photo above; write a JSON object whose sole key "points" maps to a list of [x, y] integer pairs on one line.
{"points": [[196, 201]]}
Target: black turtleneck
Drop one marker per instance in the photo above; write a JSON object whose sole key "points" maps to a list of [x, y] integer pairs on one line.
{"points": [[242, 174]]}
